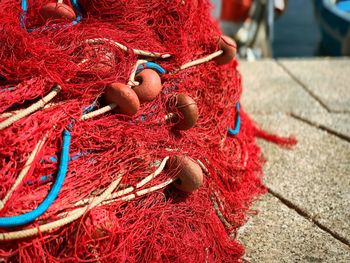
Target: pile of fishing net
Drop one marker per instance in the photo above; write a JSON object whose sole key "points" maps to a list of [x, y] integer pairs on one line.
{"points": [[122, 139]]}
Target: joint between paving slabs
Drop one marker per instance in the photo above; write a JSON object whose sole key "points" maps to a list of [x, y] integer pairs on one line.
{"points": [[301, 84], [304, 214], [321, 127]]}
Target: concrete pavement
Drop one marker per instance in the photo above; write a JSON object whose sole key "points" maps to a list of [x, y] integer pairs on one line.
{"points": [[305, 217]]}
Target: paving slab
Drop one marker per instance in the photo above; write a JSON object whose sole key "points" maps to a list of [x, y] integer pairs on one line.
{"points": [[279, 234], [338, 123], [327, 79], [267, 88], [314, 176]]}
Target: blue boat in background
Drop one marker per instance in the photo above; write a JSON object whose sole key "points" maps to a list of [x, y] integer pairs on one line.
{"points": [[334, 20]]}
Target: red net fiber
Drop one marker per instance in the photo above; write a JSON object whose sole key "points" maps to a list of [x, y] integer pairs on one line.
{"points": [[166, 225]]}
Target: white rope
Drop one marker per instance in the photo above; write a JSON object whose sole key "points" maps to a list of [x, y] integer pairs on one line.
{"points": [[132, 81], [11, 113], [201, 60], [124, 48], [98, 112], [140, 193], [24, 171], [154, 174], [169, 116], [204, 169], [112, 196], [34, 107], [130, 189], [71, 216], [155, 188]]}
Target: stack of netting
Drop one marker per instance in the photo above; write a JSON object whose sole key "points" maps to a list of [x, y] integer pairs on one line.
{"points": [[121, 134]]}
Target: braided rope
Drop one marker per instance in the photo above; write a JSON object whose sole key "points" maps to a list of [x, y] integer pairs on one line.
{"points": [[124, 48], [154, 174], [9, 114], [204, 169], [34, 107], [71, 216], [132, 81], [201, 60], [12, 113], [98, 112], [130, 189], [139, 193], [24, 171]]}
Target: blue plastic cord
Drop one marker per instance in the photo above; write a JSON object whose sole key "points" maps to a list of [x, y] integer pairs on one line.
{"points": [[23, 15], [344, 5], [88, 108], [151, 65], [22, 18], [53, 159], [24, 5], [26, 218], [77, 9], [237, 128], [42, 179]]}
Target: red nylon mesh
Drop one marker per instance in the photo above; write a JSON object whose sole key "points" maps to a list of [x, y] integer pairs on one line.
{"points": [[164, 226]]}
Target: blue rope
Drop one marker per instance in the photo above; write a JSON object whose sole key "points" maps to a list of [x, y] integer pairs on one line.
{"points": [[151, 65], [26, 218], [237, 128], [54, 159]]}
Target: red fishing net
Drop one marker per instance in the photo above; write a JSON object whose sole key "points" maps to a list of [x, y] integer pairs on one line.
{"points": [[112, 153]]}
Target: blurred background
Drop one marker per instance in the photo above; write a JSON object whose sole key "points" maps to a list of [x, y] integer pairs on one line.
{"points": [[286, 28]]}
